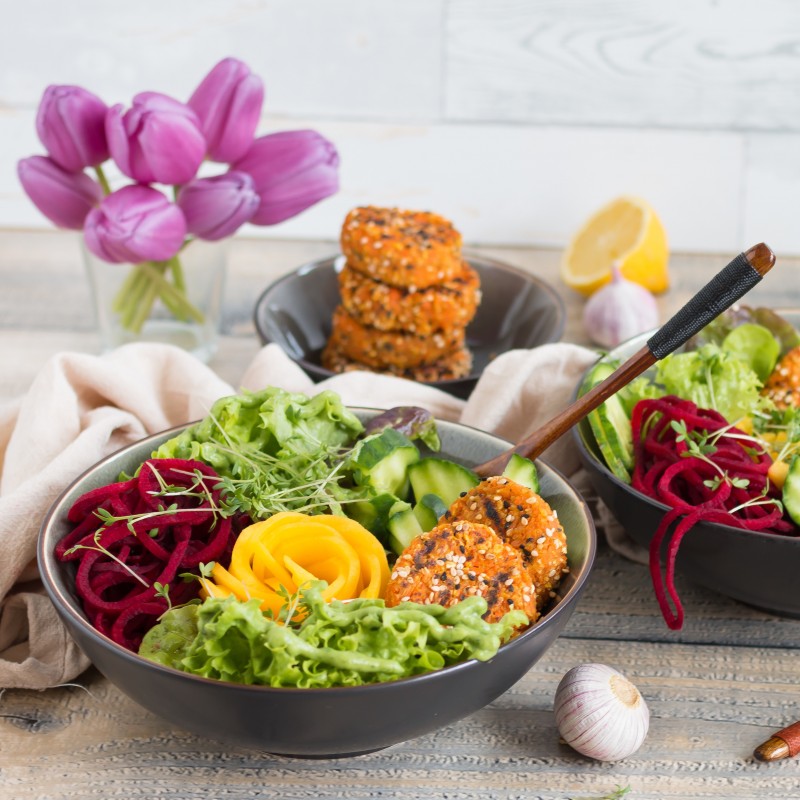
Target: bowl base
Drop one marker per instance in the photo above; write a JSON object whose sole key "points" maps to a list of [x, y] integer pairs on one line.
{"points": [[333, 755]]}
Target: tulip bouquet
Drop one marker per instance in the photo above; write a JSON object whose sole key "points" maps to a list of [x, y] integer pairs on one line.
{"points": [[160, 144]]}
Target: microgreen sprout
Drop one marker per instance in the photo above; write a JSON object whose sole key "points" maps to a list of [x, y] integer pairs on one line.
{"points": [[698, 445], [294, 606], [717, 481], [198, 489], [703, 444], [760, 500], [780, 429], [162, 590], [106, 552], [204, 572], [267, 484]]}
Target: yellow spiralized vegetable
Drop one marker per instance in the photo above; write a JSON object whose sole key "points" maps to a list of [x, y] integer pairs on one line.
{"points": [[290, 549]]}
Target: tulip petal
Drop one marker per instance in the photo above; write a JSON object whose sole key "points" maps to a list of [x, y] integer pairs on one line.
{"points": [[117, 138], [217, 207], [158, 140], [65, 198], [70, 122], [292, 171], [228, 103], [134, 224]]}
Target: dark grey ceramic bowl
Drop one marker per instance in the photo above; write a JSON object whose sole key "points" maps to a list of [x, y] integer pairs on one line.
{"points": [[759, 569], [321, 723], [517, 310]]}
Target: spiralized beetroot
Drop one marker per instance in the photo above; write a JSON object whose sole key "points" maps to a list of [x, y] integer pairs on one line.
{"points": [[666, 470], [120, 561]]}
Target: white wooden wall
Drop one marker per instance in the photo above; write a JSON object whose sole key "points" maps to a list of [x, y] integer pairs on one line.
{"points": [[516, 118]]}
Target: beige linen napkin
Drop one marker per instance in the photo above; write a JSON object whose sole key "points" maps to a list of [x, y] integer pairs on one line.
{"points": [[81, 407]]}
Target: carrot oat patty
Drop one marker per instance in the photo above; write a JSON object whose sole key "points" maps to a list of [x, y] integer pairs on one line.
{"points": [[783, 385], [457, 560], [423, 311], [452, 366], [525, 521], [400, 247], [384, 349]]}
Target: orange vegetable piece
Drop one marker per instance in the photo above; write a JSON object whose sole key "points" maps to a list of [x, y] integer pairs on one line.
{"points": [[290, 549]]}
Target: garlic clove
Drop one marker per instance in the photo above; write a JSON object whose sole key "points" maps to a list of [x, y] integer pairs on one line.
{"points": [[618, 311], [600, 713]]}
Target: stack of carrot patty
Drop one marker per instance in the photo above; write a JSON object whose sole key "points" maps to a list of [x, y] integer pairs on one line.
{"points": [[407, 297]]}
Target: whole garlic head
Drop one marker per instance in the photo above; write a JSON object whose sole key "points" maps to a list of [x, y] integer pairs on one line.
{"points": [[619, 310], [600, 713]]}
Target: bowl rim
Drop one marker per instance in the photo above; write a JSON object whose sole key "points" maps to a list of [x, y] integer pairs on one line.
{"points": [[66, 605], [470, 256], [586, 452]]}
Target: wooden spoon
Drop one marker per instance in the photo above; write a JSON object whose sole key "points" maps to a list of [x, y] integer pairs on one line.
{"points": [[721, 292]]}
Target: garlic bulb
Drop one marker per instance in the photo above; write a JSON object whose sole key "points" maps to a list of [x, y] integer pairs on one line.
{"points": [[619, 310], [600, 713]]}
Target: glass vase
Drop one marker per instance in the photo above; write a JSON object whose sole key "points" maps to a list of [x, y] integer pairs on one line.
{"points": [[176, 302]]}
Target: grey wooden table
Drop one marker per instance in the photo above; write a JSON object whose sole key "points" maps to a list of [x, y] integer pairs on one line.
{"points": [[715, 689]]}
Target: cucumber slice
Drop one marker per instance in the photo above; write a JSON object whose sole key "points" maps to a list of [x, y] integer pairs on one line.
{"points": [[403, 527], [446, 479], [381, 462], [791, 491], [522, 470], [374, 512], [611, 427], [429, 511], [406, 523]]}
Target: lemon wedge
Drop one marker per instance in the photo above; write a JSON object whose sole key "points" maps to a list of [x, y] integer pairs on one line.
{"points": [[626, 232]]}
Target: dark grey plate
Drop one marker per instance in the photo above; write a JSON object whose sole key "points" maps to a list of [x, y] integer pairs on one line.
{"points": [[517, 310], [759, 569], [321, 723]]}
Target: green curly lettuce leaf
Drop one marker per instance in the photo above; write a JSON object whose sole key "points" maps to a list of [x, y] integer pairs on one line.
{"points": [[713, 378], [272, 421], [274, 450], [335, 644]]}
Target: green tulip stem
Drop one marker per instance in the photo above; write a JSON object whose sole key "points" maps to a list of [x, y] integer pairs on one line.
{"points": [[142, 310], [174, 297], [177, 273], [102, 180], [130, 286], [144, 284], [154, 274], [132, 298]]}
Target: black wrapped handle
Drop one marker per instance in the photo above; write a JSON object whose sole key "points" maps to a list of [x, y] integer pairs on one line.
{"points": [[719, 294]]}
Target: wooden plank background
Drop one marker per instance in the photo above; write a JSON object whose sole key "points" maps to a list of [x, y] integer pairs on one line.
{"points": [[517, 119]]}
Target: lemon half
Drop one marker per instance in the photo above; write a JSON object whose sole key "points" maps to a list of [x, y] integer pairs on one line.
{"points": [[626, 232]]}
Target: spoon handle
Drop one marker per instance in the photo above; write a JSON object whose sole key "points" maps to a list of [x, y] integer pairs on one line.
{"points": [[721, 292]]}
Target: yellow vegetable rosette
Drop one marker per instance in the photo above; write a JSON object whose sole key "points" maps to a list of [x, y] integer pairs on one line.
{"points": [[290, 549]]}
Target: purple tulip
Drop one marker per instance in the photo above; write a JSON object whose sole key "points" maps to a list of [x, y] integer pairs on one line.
{"points": [[157, 141], [65, 198], [292, 170], [71, 124], [217, 207], [135, 223], [228, 102]]}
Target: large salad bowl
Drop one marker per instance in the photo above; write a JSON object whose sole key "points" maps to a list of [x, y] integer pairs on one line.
{"points": [[333, 722], [759, 569]]}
